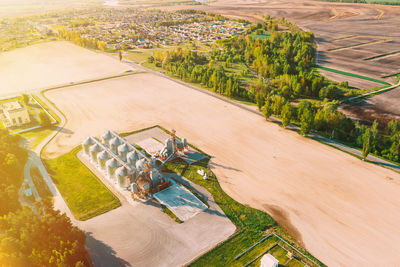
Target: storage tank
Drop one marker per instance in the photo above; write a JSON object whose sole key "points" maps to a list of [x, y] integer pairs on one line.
{"points": [[123, 177], [101, 159], [94, 150], [111, 166], [86, 145], [106, 137], [168, 143], [123, 151], [184, 142], [132, 157], [140, 164], [114, 143]]}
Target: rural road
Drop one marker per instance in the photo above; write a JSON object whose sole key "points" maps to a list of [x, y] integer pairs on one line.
{"points": [[314, 136], [351, 99], [34, 158]]}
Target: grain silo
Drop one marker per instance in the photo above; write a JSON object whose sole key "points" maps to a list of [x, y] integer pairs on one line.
{"points": [[123, 151], [123, 177], [102, 158], [140, 164], [132, 157], [94, 150], [114, 143], [106, 137], [86, 145], [111, 166]]}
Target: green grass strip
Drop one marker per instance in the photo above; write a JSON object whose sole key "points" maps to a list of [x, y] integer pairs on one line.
{"points": [[84, 193], [353, 75]]}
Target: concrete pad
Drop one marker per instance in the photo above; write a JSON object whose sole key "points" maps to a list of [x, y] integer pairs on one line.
{"points": [[150, 145], [180, 201]]}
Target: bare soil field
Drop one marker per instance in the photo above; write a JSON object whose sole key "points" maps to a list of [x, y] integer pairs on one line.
{"points": [[345, 211], [393, 60], [354, 41], [381, 48], [51, 64], [383, 107]]}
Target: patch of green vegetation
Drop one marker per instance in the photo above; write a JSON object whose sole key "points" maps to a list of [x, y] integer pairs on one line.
{"points": [[353, 75], [279, 253], [36, 136], [264, 36], [259, 249], [44, 105], [84, 193]]}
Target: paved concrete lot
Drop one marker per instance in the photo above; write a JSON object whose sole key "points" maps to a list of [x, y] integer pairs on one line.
{"points": [[180, 201], [150, 145], [142, 235], [152, 132]]}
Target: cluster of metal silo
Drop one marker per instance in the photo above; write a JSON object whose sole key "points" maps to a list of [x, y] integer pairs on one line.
{"points": [[120, 161]]}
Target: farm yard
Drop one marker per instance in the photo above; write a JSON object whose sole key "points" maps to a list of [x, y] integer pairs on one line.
{"points": [[320, 203]]}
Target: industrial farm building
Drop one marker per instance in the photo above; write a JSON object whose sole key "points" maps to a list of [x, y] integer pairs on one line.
{"points": [[129, 167]]}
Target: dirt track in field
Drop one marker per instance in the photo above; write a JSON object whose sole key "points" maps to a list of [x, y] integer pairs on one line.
{"points": [[342, 209]]}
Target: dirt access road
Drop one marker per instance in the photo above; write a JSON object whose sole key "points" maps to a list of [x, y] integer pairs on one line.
{"points": [[342, 209]]}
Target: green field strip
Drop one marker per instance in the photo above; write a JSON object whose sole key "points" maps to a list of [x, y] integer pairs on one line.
{"points": [[353, 75]]}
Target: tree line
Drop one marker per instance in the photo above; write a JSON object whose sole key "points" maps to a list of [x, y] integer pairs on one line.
{"points": [[284, 63], [32, 237]]}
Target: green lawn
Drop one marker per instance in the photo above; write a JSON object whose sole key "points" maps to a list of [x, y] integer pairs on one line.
{"points": [[35, 137], [279, 253], [84, 193]]}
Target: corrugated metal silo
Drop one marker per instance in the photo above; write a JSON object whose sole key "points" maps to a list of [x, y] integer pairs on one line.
{"points": [[86, 145], [111, 166], [94, 150], [102, 158]]}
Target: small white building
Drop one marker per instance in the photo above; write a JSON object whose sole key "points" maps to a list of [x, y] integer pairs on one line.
{"points": [[269, 261], [14, 114]]}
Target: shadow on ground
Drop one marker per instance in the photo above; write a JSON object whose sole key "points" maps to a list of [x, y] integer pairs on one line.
{"points": [[103, 255]]}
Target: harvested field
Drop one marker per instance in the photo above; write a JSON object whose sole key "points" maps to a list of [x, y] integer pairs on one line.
{"points": [[383, 107], [393, 60], [381, 48], [343, 209], [51, 64]]}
